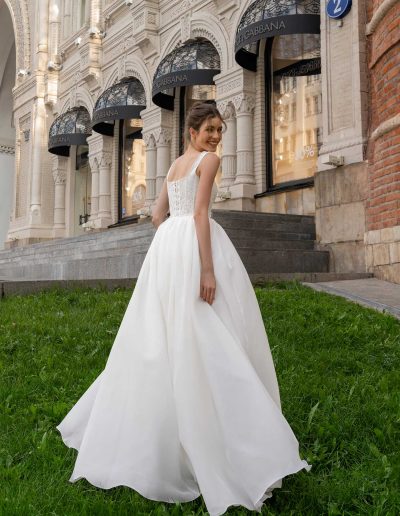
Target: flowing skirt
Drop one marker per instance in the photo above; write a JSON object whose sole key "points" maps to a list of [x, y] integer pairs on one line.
{"points": [[188, 403]]}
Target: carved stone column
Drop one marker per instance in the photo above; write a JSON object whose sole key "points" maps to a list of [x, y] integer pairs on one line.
{"points": [[37, 161], [105, 189], [163, 138], [151, 170], [244, 105], [228, 160], [59, 169], [94, 196], [100, 159]]}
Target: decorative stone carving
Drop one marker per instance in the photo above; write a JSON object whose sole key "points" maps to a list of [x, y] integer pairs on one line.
{"points": [[7, 149], [244, 103], [163, 136], [145, 16], [59, 176], [185, 27]]}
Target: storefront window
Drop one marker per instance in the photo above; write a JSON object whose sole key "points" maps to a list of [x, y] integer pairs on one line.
{"points": [[132, 169], [296, 105]]}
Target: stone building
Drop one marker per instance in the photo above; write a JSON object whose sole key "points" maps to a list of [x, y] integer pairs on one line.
{"points": [[102, 87]]}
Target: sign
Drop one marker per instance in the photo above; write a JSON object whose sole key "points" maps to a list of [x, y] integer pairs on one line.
{"points": [[337, 9]]}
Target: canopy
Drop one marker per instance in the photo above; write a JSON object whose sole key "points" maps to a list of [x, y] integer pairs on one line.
{"points": [[268, 18], [122, 101], [70, 128], [194, 62]]}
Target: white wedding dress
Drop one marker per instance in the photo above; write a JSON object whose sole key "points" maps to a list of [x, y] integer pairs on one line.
{"points": [[188, 403]]}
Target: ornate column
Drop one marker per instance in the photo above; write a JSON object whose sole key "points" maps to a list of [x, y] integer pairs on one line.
{"points": [[104, 214], [100, 159], [59, 169], [94, 196], [163, 138], [244, 105], [39, 111], [151, 171], [228, 160]]}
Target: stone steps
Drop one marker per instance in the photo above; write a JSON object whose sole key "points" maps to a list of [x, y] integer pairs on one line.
{"points": [[267, 243]]}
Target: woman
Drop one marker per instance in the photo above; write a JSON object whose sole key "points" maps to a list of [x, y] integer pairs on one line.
{"points": [[188, 402]]}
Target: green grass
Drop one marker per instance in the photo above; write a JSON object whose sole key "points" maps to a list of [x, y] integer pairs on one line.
{"points": [[338, 367]]}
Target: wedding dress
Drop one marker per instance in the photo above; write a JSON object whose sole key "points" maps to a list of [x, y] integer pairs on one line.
{"points": [[188, 403]]}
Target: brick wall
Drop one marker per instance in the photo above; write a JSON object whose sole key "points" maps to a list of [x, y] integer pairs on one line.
{"points": [[382, 237], [383, 206]]}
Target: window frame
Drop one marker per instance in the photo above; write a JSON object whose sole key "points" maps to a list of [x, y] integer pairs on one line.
{"points": [[121, 136], [294, 184]]}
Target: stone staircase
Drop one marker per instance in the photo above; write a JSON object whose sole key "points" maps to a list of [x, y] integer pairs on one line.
{"points": [[274, 243], [271, 244]]}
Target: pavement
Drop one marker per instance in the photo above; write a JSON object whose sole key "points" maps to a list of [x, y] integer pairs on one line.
{"points": [[372, 292]]}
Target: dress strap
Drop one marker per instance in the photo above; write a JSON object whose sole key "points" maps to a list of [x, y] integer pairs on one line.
{"points": [[197, 162]]}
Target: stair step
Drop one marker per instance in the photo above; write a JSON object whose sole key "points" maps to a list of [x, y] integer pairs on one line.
{"points": [[267, 234], [258, 261], [266, 244]]}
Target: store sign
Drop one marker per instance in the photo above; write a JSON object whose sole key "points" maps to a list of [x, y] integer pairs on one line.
{"points": [[301, 68], [337, 9]]}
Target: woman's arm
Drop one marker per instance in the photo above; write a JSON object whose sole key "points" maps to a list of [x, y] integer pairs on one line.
{"points": [[160, 210], [208, 170]]}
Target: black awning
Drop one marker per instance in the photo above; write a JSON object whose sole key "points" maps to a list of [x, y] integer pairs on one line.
{"points": [[122, 101], [268, 18], [70, 128], [195, 62]]}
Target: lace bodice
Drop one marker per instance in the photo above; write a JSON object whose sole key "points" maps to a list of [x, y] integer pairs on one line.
{"points": [[182, 192]]}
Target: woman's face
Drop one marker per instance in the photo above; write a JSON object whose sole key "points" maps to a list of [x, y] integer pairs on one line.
{"points": [[208, 136]]}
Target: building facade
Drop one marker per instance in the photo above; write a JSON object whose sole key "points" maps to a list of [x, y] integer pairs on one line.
{"points": [[101, 91]]}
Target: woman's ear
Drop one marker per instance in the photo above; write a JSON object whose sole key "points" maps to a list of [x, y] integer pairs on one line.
{"points": [[192, 133]]}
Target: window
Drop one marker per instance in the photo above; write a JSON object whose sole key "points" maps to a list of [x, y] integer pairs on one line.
{"points": [[132, 169], [294, 117]]}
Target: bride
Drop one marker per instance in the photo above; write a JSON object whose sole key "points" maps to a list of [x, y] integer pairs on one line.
{"points": [[188, 402]]}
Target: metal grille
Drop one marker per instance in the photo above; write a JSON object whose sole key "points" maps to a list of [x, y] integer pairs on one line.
{"points": [[128, 92], [265, 9], [196, 55], [74, 121]]}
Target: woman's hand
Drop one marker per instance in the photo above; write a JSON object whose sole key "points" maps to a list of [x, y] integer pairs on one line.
{"points": [[207, 286]]}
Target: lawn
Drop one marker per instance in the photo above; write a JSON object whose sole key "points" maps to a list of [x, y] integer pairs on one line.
{"points": [[338, 367]]}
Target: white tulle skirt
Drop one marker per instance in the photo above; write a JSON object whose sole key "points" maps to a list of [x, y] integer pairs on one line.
{"points": [[188, 403]]}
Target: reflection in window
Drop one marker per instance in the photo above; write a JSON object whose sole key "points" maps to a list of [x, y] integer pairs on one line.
{"points": [[296, 106], [132, 174]]}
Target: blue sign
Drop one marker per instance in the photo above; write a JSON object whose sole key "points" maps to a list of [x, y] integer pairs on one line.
{"points": [[338, 8]]}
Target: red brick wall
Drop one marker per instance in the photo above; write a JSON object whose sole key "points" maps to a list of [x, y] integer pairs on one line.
{"points": [[383, 205]]}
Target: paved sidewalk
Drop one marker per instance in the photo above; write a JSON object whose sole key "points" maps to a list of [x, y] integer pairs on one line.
{"points": [[372, 292]]}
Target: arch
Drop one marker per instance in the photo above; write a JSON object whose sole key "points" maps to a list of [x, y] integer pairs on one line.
{"points": [[20, 19], [135, 68], [207, 27], [112, 78], [64, 107], [84, 98]]}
